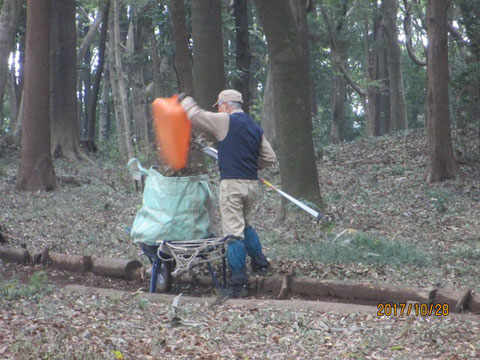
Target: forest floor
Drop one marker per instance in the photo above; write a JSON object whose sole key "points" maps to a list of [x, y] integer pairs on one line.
{"points": [[389, 227]]}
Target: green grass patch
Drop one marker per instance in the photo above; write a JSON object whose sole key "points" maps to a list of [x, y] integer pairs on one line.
{"points": [[354, 248], [13, 289]]}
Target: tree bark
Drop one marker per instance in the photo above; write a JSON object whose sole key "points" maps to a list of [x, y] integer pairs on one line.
{"points": [[120, 124], [8, 25], [122, 90], [13, 97], [36, 170], [19, 123], [293, 123], [208, 60], [398, 112], [441, 161], [92, 109], [183, 57], [63, 82], [374, 124], [242, 55], [103, 119], [160, 67], [299, 9], [141, 29], [338, 126], [85, 89], [338, 129], [268, 110]]}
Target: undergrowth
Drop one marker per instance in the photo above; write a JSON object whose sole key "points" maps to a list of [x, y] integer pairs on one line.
{"points": [[13, 289], [354, 248]]}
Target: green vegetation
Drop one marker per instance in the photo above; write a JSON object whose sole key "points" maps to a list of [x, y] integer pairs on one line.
{"points": [[355, 247], [13, 289]]}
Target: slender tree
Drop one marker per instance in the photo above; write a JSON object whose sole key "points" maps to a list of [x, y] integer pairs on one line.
{"points": [[338, 126], [208, 60], [36, 170], [398, 110], [183, 57], [124, 132], [104, 116], [441, 161], [92, 110], [242, 55], [8, 24], [142, 24], [293, 121], [183, 65], [65, 133], [268, 110]]}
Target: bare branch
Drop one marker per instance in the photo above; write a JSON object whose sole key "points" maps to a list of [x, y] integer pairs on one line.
{"points": [[407, 27], [361, 92], [87, 40]]}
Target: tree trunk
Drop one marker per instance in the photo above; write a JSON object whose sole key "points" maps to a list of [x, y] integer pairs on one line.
{"points": [[242, 55], [374, 125], [8, 25], [208, 61], [92, 109], [268, 110], [183, 65], [398, 112], [183, 57], [299, 9], [472, 25], [85, 89], [36, 170], [103, 123], [21, 53], [441, 161], [120, 125], [142, 26], [293, 123], [383, 94], [63, 82], [13, 97], [160, 67], [122, 90], [338, 130], [19, 123]]}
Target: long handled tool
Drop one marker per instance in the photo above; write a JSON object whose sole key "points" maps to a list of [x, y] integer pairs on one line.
{"points": [[317, 215]]}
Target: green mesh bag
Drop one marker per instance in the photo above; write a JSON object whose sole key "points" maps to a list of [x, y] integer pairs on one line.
{"points": [[173, 208]]}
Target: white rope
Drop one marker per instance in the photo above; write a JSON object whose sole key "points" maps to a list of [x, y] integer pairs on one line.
{"points": [[188, 253]]}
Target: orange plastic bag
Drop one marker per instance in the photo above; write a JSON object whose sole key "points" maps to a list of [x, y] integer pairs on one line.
{"points": [[172, 131]]}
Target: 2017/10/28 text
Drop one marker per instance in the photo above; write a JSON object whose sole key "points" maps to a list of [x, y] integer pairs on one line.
{"points": [[417, 309]]}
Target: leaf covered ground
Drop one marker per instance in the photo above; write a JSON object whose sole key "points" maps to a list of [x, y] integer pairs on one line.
{"points": [[389, 226], [61, 324]]}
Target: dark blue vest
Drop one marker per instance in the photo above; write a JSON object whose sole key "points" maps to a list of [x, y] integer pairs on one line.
{"points": [[238, 152]]}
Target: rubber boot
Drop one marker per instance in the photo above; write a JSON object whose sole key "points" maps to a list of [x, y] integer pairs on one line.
{"points": [[236, 256], [253, 247]]}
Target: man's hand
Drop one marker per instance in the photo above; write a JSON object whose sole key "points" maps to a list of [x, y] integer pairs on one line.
{"points": [[181, 96]]}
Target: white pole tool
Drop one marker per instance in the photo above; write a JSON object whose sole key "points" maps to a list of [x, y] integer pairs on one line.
{"points": [[214, 153]]}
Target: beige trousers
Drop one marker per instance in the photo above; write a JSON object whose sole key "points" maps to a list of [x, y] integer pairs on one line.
{"points": [[237, 198]]}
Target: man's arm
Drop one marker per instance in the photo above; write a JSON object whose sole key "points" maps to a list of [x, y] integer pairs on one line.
{"points": [[266, 157], [213, 123]]}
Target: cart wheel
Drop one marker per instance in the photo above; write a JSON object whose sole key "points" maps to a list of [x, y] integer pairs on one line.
{"points": [[164, 277]]}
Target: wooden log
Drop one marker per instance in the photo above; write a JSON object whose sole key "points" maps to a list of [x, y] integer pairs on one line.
{"points": [[15, 255], [119, 268], [75, 263]]}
